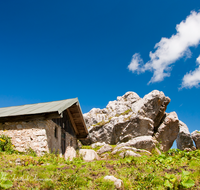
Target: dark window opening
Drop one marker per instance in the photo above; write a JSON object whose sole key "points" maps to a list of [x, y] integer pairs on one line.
{"points": [[56, 132], [71, 142]]}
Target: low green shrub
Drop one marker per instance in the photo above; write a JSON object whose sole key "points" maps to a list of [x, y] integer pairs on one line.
{"points": [[4, 182], [31, 152], [101, 123], [126, 112], [6, 144]]}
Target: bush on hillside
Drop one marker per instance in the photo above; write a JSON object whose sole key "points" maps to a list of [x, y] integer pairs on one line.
{"points": [[6, 144]]}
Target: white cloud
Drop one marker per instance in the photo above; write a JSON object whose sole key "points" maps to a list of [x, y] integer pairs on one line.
{"points": [[169, 50], [135, 62], [193, 77], [198, 60]]}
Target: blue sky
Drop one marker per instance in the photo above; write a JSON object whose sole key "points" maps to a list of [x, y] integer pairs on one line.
{"points": [[54, 50]]}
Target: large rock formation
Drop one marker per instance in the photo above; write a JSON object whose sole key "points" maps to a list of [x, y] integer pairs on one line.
{"points": [[153, 106], [196, 138], [114, 108], [130, 118], [120, 129], [184, 140], [168, 131]]}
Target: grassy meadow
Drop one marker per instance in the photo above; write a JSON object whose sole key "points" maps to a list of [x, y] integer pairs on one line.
{"points": [[174, 169]]}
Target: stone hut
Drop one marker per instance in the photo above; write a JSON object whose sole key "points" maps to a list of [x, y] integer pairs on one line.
{"points": [[44, 127]]}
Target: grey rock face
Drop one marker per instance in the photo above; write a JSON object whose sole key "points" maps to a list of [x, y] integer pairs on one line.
{"points": [[135, 127], [101, 133], [130, 117], [196, 137], [127, 118], [119, 130], [113, 108], [184, 140], [153, 106], [168, 131], [142, 142]]}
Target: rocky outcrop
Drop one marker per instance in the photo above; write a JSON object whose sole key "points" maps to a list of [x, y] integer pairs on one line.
{"points": [[115, 108], [119, 130], [184, 140], [168, 131], [196, 137], [126, 118], [139, 120], [135, 127]]}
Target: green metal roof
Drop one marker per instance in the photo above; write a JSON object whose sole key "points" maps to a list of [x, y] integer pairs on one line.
{"points": [[29, 109]]}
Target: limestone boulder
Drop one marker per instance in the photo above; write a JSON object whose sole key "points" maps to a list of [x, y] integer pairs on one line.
{"points": [[101, 133], [122, 104], [105, 148], [136, 126], [196, 137], [70, 153], [129, 153], [122, 129], [184, 140], [143, 142], [94, 145], [114, 108], [168, 131], [126, 118], [129, 148], [88, 154], [153, 106]]}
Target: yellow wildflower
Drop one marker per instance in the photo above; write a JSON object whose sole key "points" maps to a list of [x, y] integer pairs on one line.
{"points": [[2, 140]]}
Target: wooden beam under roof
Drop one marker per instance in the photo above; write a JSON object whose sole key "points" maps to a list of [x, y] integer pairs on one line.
{"points": [[72, 121], [82, 119]]}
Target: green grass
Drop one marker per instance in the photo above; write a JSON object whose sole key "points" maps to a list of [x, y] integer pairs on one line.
{"points": [[171, 170], [101, 123], [126, 112]]}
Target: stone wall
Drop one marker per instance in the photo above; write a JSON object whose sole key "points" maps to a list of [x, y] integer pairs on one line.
{"points": [[38, 135]]}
